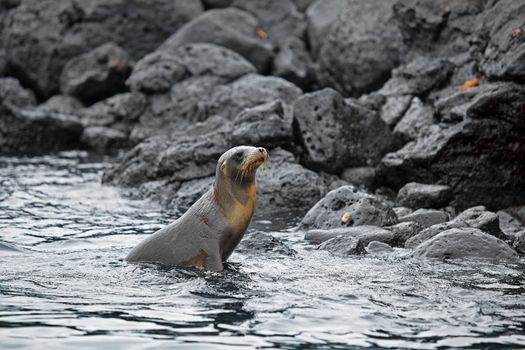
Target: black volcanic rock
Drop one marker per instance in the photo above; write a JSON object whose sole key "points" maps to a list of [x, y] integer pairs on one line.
{"points": [[42, 35], [97, 74]]}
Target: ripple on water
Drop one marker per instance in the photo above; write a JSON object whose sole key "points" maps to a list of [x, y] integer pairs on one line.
{"points": [[64, 284]]}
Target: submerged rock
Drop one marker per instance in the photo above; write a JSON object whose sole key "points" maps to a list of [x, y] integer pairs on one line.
{"points": [[343, 245], [259, 242], [97, 74], [346, 207], [416, 195], [462, 243]]}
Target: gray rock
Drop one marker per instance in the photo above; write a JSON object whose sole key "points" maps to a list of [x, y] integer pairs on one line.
{"points": [[338, 133], [363, 46], [279, 19], [403, 231], [418, 77], [378, 248], [258, 242], [394, 108], [62, 104], [425, 217], [417, 195], [212, 4], [342, 245], [97, 74], [402, 211], [479, 217], [460, 243], [321, 15], [42, 35], [519, 242], [450, 153], [360, 176], [103, 139], [231, 28], [188, 193], [346, 207], [432, 231], [365, 234], [417, 118], [3, 62], [508, 224], [293, 63], [268, 125]]}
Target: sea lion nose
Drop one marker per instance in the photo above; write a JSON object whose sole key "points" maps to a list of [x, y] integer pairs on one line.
{"points": [[262, 150]]}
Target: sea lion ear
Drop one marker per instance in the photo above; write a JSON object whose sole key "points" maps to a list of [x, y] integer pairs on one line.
{"points": [[223, 165]]}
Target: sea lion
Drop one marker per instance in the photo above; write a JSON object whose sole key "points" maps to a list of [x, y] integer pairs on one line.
{"points": [[207, 233]]}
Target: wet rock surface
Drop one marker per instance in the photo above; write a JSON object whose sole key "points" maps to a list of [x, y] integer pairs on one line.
{"points": [[258, 242], [364, 234]]}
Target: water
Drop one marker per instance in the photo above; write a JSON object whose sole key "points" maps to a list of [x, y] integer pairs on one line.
{"points": [[64, 284]]}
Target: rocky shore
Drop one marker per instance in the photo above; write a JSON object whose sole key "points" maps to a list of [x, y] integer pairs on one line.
{"points": [[389, 123]]}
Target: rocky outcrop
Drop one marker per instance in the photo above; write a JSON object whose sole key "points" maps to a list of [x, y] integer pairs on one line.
{"points": [[347, 207], [42, 35], [338, 133], [98, 74], [461, 243]]}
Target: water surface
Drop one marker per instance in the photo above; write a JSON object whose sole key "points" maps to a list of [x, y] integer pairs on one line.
{"points": [[64, 284]]}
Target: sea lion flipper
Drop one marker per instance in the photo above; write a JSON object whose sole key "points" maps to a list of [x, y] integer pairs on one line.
{"points": [[214, 263]]}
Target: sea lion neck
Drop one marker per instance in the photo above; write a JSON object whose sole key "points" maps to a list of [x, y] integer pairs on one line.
{"points": [[230, 192]]}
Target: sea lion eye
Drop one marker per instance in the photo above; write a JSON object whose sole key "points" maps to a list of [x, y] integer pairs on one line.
{"points": [[238, 157]]}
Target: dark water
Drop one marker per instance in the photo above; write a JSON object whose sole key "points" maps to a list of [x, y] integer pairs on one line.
{"points": [[63, 283]]}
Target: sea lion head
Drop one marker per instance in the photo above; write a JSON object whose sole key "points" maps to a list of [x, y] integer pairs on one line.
{"points": [[240, 164]]}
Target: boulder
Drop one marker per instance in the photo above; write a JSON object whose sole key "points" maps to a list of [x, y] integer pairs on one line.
{"points": [[417, 195], [363, 46], [103, 139], [342, 245], [378, 248], [479, 217], [294, 64], [460, 243], [42, 35], [321, 15], [365, 234], [394, 108], [432, 231], [360, 176], [519, 242], [481, 157], [231, 28], [414, 121], [403, 231], [509, 224], [97, 74], [425, 217], [258, 242], [346, 207], [338, 133], [268, 125]]}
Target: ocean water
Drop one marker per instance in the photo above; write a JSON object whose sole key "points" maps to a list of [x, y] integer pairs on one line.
{"points": [[64, 283]]}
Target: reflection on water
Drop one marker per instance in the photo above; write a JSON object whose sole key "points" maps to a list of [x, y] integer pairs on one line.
{"points": [[64, 284]]}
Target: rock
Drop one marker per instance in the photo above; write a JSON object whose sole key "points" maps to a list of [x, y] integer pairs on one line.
{"points": [[417, 118], [378, 248], [321, 15], [188, 193], [346, 207], [363, 46], [403, 231], [183, 156], [212, 4], [416, 195], [360, 176], [418, 77], [42, 35], [479, 217], [450, 153], [425, 217], [365, 234], [3, 62], [402, 211], [97, 74], [460, 243], [342, 245], [338, 133], [13, 95], [279, 19], [432, 231], [231, 28], [258, 242], [103, 139], [394, 109], [519, 242], [268, 125], [176, 81], [508, 224], [504, 54], [62, 104], [293, 63]]}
